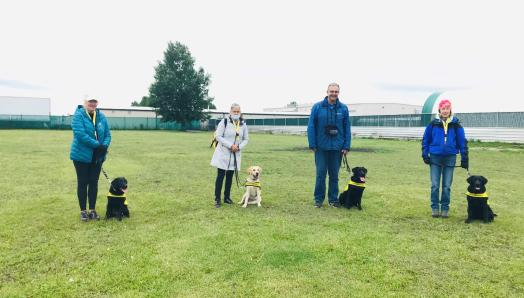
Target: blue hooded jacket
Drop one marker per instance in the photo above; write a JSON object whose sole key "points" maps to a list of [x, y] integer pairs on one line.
{"points": [[84, 140], [323, 114], [435, 142]]}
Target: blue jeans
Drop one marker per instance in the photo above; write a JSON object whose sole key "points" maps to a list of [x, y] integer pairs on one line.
{"points": [[327, 161], [441, 166]]}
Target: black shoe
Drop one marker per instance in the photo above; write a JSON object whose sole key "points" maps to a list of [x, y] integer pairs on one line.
{"points": [[228, 201], [318, 205], [435, 213], [217, 203], [335, 205], [93, 215], [83, 216]]}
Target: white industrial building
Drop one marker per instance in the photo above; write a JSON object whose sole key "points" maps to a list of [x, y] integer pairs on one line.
{"points": [[30, 108], [356, 109]]}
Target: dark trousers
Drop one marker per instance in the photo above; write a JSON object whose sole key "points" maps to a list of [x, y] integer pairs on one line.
{"points": [[87, 176], [218, 183]]}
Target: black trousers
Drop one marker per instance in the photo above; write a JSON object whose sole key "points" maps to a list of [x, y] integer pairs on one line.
{"points": [[87, 175], [218, 183]]}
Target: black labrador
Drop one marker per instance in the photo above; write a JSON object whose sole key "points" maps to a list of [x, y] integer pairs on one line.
{"points": [[117, 200], [478, 207], [352, 195]]}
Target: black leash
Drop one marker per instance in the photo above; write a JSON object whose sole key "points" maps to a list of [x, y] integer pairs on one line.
{"points": [[346, 163], [105, 175]]}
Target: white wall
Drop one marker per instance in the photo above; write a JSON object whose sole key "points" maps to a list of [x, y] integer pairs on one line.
{"points": [[34, 106]]}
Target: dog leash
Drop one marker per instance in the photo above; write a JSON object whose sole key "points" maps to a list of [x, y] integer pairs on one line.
{"points": [[346, 164], [105, 175]]}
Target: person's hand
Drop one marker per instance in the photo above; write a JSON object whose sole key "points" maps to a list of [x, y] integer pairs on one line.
{"points": [[344, 151], [234, 148], [464, 163], [426, 159], [313, 149], [101, 150]]}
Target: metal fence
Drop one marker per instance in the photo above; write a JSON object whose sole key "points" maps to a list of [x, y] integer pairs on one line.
{"points": [[64, 122], [495, 119]]}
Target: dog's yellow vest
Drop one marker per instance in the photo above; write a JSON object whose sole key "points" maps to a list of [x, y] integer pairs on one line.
{"points": [[254, 184], [351, 182], [477, 195], [109, 194]]}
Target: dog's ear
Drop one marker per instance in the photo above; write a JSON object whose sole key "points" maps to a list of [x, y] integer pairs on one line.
{"points": [[364, 170], [469, 179], [484, 179], [354, 170], [249, 170]]}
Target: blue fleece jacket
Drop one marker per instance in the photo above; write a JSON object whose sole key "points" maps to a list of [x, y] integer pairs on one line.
{"points": [[436, 142], [322, 114], [84, 140]]}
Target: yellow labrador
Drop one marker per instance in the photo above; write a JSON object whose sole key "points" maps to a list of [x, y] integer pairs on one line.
{"points": [[253, 194]]}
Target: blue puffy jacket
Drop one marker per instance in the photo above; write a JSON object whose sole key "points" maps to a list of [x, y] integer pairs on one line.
{"points": [[84, 140], [435, 141], [323, 114]]}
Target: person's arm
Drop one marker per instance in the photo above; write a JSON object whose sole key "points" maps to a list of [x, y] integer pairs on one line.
{"points": [[311, 128], [107, 136], [426, 140], [77, 124], [347, 132], [245, 138], [220, 135]]}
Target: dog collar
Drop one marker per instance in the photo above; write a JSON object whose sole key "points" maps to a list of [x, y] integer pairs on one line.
{"points": [[109, 194], [254, 184], [477, 195], [351, 182]]}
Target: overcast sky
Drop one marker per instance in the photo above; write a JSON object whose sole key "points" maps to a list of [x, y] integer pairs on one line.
{"points": [[267, 53]]}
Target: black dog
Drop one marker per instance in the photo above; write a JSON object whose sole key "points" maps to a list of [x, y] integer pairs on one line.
{"points": [[116, 199], [352, 195], [478, 207]]}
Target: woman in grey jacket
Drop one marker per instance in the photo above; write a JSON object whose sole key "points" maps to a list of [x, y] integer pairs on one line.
{"points": [[232, 137]]}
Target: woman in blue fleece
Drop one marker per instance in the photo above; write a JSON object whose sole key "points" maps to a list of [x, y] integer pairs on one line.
{"points": [[443, 139], [88, 151]]}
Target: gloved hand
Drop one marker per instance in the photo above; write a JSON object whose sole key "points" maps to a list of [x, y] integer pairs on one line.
{"points": [[101, 149], [426, 159], [464, 163]]}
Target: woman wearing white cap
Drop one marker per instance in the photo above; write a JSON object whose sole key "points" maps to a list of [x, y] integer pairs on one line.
{"points": [[91, 138]]}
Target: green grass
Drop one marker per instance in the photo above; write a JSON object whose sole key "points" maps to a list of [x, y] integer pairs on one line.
{"points": [[177, 244]]}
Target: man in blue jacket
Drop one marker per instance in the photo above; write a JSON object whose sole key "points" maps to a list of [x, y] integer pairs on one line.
{"points": [[329, 136]]}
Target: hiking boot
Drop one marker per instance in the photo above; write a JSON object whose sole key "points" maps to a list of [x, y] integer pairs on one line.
{"points": [[83, 216], [435, 213], [335, 205], [93, 215], [228, 201], [318, 205], [444, 214]]}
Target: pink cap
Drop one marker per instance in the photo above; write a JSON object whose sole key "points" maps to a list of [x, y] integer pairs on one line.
{"points": [[443, 103]]}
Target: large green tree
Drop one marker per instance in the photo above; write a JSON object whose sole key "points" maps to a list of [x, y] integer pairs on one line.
{"points": [[180, 92], [145, 102]]}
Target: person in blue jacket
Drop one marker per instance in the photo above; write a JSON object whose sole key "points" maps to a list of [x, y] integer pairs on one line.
{"points": [[443, 139], [329, 136], [91, 138]]}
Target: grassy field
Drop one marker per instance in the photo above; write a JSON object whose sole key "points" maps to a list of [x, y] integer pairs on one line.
{"points": [[177, 244]]}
